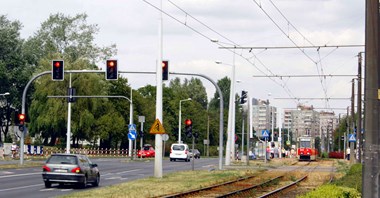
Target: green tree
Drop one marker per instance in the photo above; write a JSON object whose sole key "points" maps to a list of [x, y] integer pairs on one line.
{"points": [[71, 39], [14, 71]]}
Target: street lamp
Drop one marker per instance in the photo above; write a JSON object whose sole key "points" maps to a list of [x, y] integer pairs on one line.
{"points": [[5, 94], [179, 119], [230, 147]]}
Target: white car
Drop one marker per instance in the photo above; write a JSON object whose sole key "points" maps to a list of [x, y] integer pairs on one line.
{"points": [[180, 152]]}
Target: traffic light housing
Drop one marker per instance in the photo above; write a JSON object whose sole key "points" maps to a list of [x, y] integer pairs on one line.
{"points": [[243, 98], [57, 70], [188, 128], [21, 121], [111, 70], [165, 70]]}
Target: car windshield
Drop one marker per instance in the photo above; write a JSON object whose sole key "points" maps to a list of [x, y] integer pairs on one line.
{"points": [[57, 159], [147, 148], [178, 147]]}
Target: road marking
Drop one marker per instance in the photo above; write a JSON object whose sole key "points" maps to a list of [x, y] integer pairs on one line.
{"points": [[18, 175], [128, 171], [20, 187]]}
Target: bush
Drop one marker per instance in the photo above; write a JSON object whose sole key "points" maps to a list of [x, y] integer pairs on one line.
{"points": [[330, 190], [336, 155], [353, 178]]}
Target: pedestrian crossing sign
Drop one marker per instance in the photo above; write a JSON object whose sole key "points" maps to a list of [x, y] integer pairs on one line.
{"points": [[265, 133], [351, 138]]}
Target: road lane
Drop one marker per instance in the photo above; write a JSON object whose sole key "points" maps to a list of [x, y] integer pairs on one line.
{"points": [[27, 182]]}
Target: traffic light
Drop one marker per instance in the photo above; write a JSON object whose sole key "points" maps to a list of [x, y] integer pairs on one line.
{"points": [[165, 70], [111, 70], [188, 128], [243, 97], [57, 70], [21, 120]]}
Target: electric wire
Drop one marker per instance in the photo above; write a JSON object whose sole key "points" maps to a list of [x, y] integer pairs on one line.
{"points": [[283, 85], [220, 44]]}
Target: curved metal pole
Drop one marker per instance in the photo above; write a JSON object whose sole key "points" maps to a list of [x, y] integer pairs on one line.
{"points": [[221, 114]]}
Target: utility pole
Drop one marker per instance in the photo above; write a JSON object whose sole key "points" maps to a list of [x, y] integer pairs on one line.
{"points": [[352, 153], [359, 110], [371, 154]]}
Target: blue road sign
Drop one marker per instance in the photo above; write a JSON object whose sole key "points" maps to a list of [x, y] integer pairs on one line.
{"points": [[351, 138], [132, 127], [265, 133], [132, 135]]}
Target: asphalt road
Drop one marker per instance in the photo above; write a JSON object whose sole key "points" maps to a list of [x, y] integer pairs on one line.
{"points": [[27, 182]]}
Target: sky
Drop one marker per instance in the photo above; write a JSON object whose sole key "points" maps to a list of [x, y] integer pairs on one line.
{"points": [[198, 33]]}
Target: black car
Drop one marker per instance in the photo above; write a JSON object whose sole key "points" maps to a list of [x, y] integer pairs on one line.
{"points": [[70, 169], [196, 153]]}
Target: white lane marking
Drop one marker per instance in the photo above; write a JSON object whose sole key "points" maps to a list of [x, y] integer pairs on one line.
{"points": [[6, 172], [128, 171], [20, 187], [18, 175]]}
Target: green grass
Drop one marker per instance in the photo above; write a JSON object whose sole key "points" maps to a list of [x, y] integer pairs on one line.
{"points": [[168, 184], [348, 186]]}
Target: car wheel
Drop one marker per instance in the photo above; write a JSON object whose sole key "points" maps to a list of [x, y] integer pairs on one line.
{"points": [[47, 184], [97, 180]]}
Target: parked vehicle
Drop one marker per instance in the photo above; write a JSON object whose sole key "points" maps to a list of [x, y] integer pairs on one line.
{"points": [[180, 152], [70, 169], [195, 153], [147, 151]]}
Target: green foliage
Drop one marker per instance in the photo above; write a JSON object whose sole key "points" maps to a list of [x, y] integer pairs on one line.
{"points": [[352, 179], [332, 191]]}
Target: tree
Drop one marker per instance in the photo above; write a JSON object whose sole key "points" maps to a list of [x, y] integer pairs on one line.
{"points": [[14, 71], [71, 39]]}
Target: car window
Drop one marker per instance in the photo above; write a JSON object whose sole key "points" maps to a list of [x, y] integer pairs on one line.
{"points": [[147, 148], [84, 161], [178, 147], [57, 159]]}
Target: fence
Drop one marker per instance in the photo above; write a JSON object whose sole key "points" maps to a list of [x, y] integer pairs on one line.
{"points": [[31, 150]]}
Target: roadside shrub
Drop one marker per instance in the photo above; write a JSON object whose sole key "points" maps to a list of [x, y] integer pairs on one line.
{"points": [[336, 155], [353, 178], [324, 155], [330, 190]]}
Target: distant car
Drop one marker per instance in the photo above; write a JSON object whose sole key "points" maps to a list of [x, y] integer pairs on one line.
{"points": [[70, 169], [180, 152], [147, 151], [195, 153]]}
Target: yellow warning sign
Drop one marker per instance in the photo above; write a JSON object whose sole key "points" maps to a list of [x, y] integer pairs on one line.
{"points": [[157, 128]]}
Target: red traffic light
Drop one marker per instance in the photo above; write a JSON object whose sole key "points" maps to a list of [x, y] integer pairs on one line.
{"points": [[57, 63], [188, 122], [111, 70], [111, 63], [164, 64], [57, 70], [21, 117]]}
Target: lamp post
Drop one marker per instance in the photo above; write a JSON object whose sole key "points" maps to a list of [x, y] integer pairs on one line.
{"points": [[230, 147], [179, 119]]}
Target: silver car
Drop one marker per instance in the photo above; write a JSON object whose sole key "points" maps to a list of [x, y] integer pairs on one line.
{"points": [[70, 168]]}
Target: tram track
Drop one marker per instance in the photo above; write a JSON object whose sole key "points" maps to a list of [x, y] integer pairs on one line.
{"points": [[253, 186]]}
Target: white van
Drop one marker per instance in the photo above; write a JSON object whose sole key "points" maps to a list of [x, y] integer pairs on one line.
{"points": [[179, 151]]}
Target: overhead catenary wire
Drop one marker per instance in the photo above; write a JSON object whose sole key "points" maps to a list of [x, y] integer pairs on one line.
{"points": [[248, 59], [287, 90]]}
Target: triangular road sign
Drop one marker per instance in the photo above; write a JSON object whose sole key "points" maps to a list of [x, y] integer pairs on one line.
{"points": [[157, 128], [352, 138], [265, 133], [132, 127]]}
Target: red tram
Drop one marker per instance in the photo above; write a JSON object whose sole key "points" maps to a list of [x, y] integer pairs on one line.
{"points": [[306, 148]]}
